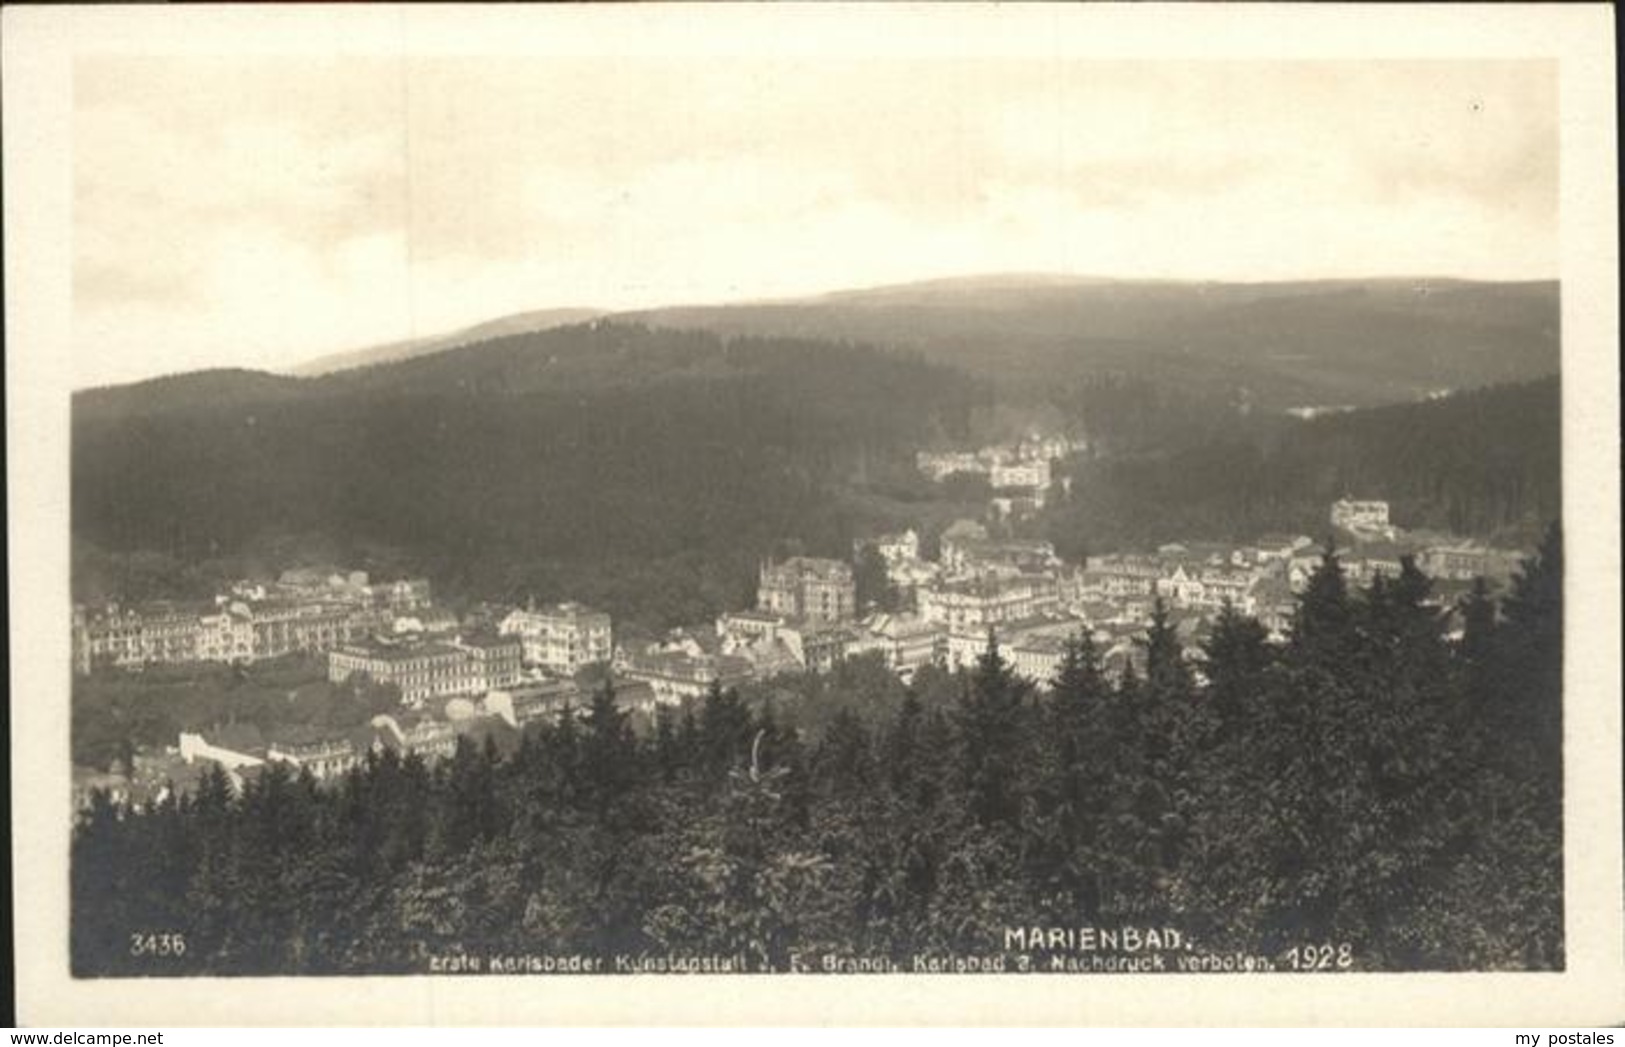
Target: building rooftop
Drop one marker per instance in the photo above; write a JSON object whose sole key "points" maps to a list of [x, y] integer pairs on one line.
{"points": [[991, 585], [485, 639], [563, 609], [396, 652], [764, 617], [829, 570], [1043, 643]]}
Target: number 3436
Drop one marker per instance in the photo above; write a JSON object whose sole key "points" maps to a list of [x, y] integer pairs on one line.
{"points": [[157, 945]]}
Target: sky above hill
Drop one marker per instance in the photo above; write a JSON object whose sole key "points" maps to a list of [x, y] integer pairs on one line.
{"points": [[259, 211]]}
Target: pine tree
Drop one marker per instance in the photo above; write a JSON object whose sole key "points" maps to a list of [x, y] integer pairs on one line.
{"points": [[1237, 657], [725, 732], [1532, 665], [872, 582], [1475, 652], [1072, 790], [990, 737], [1322, 618], [1167, 677], [608, 753], [667, 755], [843, 763]]}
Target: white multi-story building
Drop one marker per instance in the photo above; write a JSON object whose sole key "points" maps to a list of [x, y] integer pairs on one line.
{"points": [[972, 606], [1036, 656], [228, 634], [234, 631], [1032, 648], [1464, 561], [130, 637], [807, 589], [324, 757], [562, 638], [1120, 577], [675, 676], [1033, 473], [421, 671], [1005, 555], [939, 465], [1362, 517], [497, 660], [1207, 588], [896, 548], [905, 641]]}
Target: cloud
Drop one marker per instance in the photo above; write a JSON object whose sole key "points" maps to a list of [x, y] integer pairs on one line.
{"points": [[264, 212]]}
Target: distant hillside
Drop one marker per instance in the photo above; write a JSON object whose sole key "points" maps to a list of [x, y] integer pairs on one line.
{"points": [[519, 323], [1275, 345], [1278, 345], [646, 467], [641, 470], [1486, 464], [213, 389]]}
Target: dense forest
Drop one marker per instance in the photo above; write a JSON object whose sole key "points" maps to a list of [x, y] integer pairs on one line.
{"points": [[646, 471], [1486, 463], [640, 471], [1371, 786]]}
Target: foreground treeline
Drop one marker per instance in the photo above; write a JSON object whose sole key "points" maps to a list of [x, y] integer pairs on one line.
{"points": [[1371, 783]]}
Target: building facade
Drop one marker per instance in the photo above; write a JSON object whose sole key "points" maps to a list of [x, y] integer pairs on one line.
{"points": [[1361, 516], [130, 637], [807, 589], [972, 606], [497, 660], [674, 676], [562, 638], [899, 547], [421, 671], [232, 631]]}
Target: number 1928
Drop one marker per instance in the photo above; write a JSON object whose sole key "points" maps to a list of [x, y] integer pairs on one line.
{"points": [[1327, 957]]}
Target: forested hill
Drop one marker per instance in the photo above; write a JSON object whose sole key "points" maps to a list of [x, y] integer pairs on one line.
{"points": [[1487, 463], [635, 468], [1283, 344]]}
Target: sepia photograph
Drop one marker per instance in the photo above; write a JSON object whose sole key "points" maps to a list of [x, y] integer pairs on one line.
{"points": [[612, 497]]}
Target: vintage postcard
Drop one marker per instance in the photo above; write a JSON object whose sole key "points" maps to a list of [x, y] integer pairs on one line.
{"points": [[963, 514]]}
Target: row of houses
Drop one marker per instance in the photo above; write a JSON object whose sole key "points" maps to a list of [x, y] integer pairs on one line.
{"points": [[401, 596], [1021, 473], [311, 612], [242, 750], [1445, 557], [303, 610], [1024, 462], [238, 631]]}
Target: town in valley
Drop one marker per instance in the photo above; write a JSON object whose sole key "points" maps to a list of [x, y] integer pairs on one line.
{"points": [[427, 677], [659, 511]]}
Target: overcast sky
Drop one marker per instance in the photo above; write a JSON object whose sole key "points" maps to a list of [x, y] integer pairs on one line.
{"points": [[260, 212]]}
